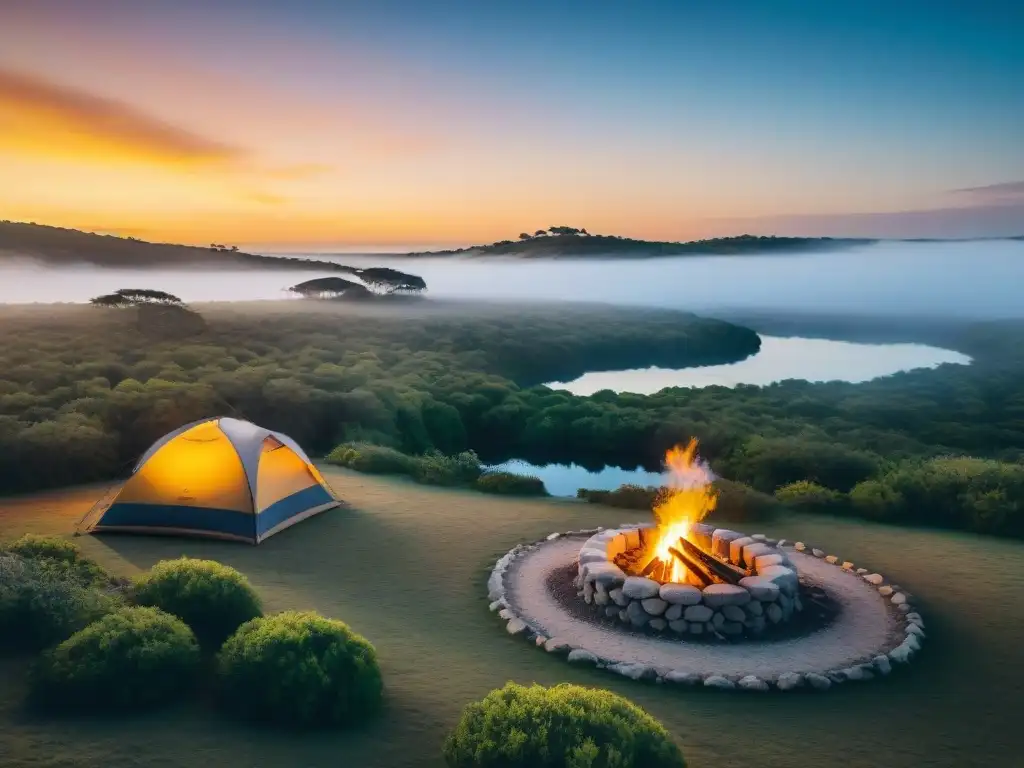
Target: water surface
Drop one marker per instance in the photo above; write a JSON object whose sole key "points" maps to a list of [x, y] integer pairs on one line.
{"points": [[566, 479]]}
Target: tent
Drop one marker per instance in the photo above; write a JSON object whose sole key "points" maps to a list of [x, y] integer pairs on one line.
{"points": [[218, 478]]}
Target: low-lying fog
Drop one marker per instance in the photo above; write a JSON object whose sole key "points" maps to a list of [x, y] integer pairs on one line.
{"points": [[969, 279]]}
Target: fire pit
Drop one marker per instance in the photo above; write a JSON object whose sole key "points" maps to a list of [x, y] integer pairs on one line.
{"points": [[686, 577]]}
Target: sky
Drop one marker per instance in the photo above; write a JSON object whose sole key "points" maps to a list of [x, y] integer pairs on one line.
{"points": [[321, 124]]}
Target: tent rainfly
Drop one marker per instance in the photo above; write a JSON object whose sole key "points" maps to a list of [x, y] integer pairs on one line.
{"points": [[217, 478]]}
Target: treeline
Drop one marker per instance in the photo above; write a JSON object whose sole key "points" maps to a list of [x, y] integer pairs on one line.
{"points": [[83, 393]]}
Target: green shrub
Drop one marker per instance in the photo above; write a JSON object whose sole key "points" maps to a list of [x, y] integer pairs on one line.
{"points": [[299, 669], [41, 605], [372, 459], [740, 503], [435, 468], [510, 484], [61, 556], [130, 659], [212, 598], [626, 496], [566, 726], [805, 496]]}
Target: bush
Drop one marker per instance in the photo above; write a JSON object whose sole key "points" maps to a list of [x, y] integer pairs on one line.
{"points": [[566, 725], [372, 459], [40, 605], [435, 468], [626, 496], [132, 658], [805, 496], [510, 484], [60, 556], [213, 599], [299, 669], [740, 503]]}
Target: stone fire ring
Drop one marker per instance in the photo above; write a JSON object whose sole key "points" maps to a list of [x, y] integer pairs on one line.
{"points": [[876, 629]]}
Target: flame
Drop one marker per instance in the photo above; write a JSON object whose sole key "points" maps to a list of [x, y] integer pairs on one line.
{"points": [[688, 499]]}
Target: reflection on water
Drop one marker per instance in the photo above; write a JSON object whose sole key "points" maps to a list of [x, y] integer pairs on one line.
{"points": [[566, 479], [778, 359]]}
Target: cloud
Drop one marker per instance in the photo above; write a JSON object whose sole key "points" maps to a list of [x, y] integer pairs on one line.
{"points": [[50, 119], [1003, 190], [299, 172]]}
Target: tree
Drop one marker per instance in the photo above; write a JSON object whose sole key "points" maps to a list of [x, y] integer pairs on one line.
{"points": [[540, 233], [525, 235], [330, 288], [133, 297]]}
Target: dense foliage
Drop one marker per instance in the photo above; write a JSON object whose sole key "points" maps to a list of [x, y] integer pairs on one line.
{"points": [[59, 556], [83, 392], [566, 726], [510, 484], [131, 659], [213, 599], [299, 669]]}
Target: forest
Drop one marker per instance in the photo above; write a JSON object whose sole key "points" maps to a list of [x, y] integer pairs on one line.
{"points": [[84, 390]]}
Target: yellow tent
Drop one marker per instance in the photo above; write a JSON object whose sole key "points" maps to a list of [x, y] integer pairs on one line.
{"points": [[219, 478]]}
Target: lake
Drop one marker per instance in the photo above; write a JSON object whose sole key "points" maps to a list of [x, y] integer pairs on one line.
{"points": [[778, 359], [566, 479]]}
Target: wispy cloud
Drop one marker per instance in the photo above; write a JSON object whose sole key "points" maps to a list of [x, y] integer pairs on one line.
{"points": [[1002, 190]]}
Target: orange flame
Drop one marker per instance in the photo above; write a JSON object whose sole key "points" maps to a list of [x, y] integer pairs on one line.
{"points": [[690, 497]]}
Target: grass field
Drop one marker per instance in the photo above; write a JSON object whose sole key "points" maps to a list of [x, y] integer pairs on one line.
{"points": [[405, 565]]}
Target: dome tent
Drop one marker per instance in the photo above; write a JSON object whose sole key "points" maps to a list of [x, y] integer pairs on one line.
{"points": [[218, 478]]}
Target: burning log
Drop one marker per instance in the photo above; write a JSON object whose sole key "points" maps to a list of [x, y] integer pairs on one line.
{"points": [[727, 573], [651, 567], [692, 567]]}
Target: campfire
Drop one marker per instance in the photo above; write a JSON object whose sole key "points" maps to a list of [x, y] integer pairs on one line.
{"points": [[671, 552]]}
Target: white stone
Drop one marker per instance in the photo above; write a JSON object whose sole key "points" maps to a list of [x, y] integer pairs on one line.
{"points": [[506, 614], [774, 613], [679, 594], [782, 543], [832, 559], [789, 680], [618, 598], [786, 604], [763, 561], [717, 620], [752, 683], [758, 536], [683, 678], [516, 627], [588, 592], [882, 664], [817, 553], [861, 571], [497, 604], [818, 682], [581, 656], [553, 536], [654, 605], [556, 645], [899, 598], [678, 625], [639, 588], [913, 642], [885, 591], [539, 640], [855, 674], [717, 595], [603, 572], [913, 629], [760, 588], [916, 617], [901, 654], [632, 671], [736, 548], [601, 598], [622, 615], [674, 612], [734, 613], [753, 551], [799, 546], [785, 577], [658, 624], [874, 578], [592, 556], [847, 566], [636, 614], [717, 681], [721, 539], [903, 608]]}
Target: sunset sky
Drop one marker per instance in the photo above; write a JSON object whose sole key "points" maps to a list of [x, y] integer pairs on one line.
{"points": [[316, 124]]}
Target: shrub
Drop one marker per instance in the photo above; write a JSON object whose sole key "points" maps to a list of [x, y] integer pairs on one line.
{"points": [[566, 725], [61, 556], [805, 496], [435, 468], [372, 459], [299, 669], [213, 599], [41, 605], [510, 484], [132, 658], [740, 503], [626, 496]]}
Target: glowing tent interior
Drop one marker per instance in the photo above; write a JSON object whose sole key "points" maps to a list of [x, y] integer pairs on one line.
{"points": [[219, 478]]}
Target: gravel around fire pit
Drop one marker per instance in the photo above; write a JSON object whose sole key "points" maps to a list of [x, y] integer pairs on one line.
{"points": [[868, 631]]}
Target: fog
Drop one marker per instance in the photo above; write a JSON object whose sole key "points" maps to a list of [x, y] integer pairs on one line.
{"points": [[978, 279]]}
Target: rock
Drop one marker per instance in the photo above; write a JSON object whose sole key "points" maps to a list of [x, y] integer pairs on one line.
{"points": [[580, 656], [901, 654], [734, 613], [874, 578], [818, 682], [592, 556], [832, 559], [717, 681], [899, 598], [654, 605], [698, 629], [721, 539], [903, 608], [678, 625], [836, 676], [506, 614], [636, 614], [683, 678], [732, 628], [861, 571], [556, 645], [674, 612], [913, 629], [657, 624], [847, 566], [752, 683], [758, 549], [717, 620], [782, 543], [758, 536], [756, 625], [698, 613], [774, 613], [679, 594], [553, 536], [817, 553], [789, 680], [640, 588], [786, 578], [588, 592], [882, 664], [885, 591], [763, 561], [611, 611], [540, 640], [603, 572], [633, 671], [754, 608], [916, 618], [601, 598], [516, 627], [855, 674], [618, 598], [786, 604], [760, 588], [496, 605], [736, 549], [913, 642], [622, 615], [725, 594], [799, 546]]}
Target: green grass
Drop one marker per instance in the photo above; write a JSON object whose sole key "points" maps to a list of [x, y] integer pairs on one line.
{"points": [[406, 565]]}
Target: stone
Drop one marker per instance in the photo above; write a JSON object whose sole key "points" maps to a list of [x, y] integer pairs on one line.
{"points": [[763, 561], [506, 614], [674, 612], [818, 682], [856, 674], [903, 608], [592, 556], [553, 536], [640, 588], [789, 680], [618, 598], [588, 592], [799, 546], [753, 551], [798, 604], [786, 604], [636, 614], [496, 605], [611, 611], [601, 598], [817, 553], [832, 559], [654, 605], [916, 617], [885, 591], [754, 608], [539, 640], [678, 625], [913, 642], [758, 536], [717, 681], [717, 620], [774, 613], [913, 629], [874, 578], [752, 683], [603, 572], [899, 598], [717, 595], [901, 654], [516, 627], [847, 566], [581, 656], [836, 676], [756, 625], [622, 615], [556, 645], [657, 624], [785, 577], [731, 628], [882, 664], [721, 539], [633, 671], [782, 543], [736, 549], [760, 588], [734, 613], [861, 571], [679, 594], [683, 678], [698, 629]]}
